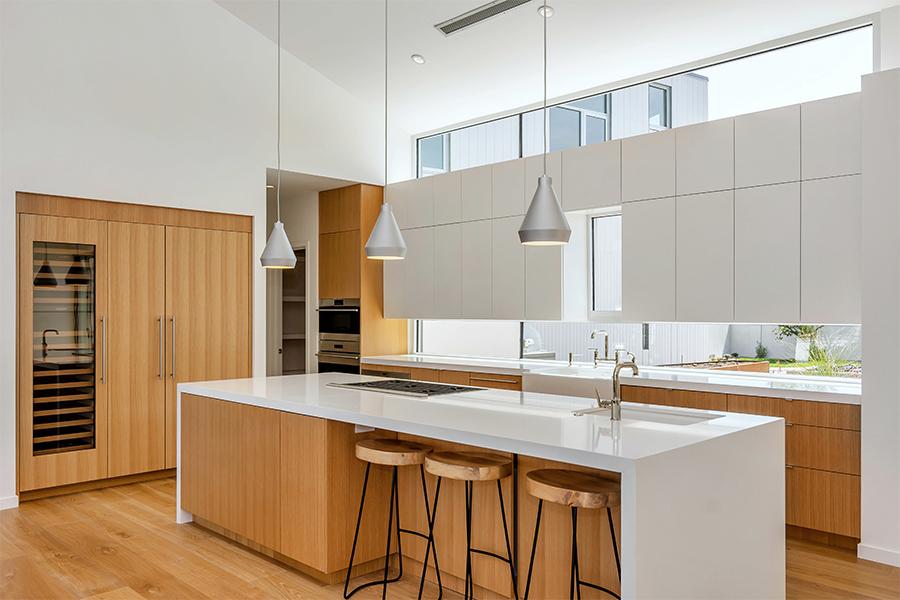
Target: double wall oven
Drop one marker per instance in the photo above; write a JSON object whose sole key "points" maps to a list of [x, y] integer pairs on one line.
{"points": [[339, 335]]}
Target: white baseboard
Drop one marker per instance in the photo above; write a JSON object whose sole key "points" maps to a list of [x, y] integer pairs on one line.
{"points": [[9, 502], [882, 555]]}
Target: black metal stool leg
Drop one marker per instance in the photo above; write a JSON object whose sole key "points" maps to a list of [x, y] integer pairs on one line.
{"points": [[612, 533], [537, 527], [576, 576], [469, 584], [509, 554], [430, 514], [390, 531], [362, 502]]}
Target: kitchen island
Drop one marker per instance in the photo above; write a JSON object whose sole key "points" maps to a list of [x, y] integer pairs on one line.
{"points": [[702, 512]]}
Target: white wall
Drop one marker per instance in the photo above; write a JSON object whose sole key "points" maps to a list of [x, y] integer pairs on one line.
{"points": [[168, 103]]}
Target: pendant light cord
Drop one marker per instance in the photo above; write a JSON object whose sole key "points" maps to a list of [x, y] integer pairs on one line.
{"points": [[278, 118], [545, 86], [385, 97]]}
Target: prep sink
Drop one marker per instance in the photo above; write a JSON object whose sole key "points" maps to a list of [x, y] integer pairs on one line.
{"points": [[667, 416]]}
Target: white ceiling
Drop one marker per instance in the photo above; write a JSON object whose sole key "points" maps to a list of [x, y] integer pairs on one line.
{"points": [[496, 65]]}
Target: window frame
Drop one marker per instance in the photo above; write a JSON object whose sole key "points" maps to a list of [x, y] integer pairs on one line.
{"points": [[603, 316], [667, 106]]}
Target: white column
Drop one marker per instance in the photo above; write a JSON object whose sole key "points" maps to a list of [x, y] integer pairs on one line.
{"points": [[881, 308]]}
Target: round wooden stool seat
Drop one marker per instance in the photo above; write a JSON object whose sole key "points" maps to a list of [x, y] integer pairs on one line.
{"points": [[468, 466], [572, 488], [395, 453]]}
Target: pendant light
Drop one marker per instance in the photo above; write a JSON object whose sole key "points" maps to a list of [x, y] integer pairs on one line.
{"points": [[278, 253], [544, 223], [386, 242], [45, 277]]}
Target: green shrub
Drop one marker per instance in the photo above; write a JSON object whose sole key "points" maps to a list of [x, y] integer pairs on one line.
{"points": [[761, 351]]}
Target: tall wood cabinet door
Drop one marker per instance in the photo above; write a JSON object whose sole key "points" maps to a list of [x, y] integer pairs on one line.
{"points": [[208, 303], [62, 370], [137, 319], [339, 257]]}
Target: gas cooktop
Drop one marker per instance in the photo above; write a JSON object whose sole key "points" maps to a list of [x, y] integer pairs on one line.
{"points": [[405, 387]]}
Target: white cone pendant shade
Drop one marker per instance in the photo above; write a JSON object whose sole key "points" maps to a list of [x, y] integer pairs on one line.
{"points": [[544, 223], [386, 242], [278, 254]]}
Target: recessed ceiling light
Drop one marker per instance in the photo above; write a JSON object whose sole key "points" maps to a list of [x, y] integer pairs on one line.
{"points": [[549, 10], [269, 186], [418, 59]]}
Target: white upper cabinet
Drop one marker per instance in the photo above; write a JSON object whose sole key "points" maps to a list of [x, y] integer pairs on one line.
{"points": [[592, 176], [648, 166], [412, 202], [704, 257], [419, 282], [704, 157], [476, 187], [556, 283], [477, 270], [767, 254], [447, 198], [830, 133], [448, 271], [648, 260], [396, 300], [534, 168], [508, 198], [831, 211], [767, 147], [508, 269]]}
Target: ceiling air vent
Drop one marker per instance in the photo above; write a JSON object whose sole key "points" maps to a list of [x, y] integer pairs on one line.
{"points": [[477, 15]]}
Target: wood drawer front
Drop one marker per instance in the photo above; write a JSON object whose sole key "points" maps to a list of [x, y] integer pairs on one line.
{"points": [[757, 405], [823, 501], [387, 370], [823, 448], [701, 400], [454, 377], [823, 414], [645, 395], [498, 382], [424, 374]]}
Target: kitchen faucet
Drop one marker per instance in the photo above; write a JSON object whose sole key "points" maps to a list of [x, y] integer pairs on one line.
{"points": [[605, 335], [615, 405], [44, 345]]}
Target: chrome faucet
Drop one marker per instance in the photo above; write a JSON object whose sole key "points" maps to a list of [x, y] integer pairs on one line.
{"points": [[605, 335], [615, 405]]}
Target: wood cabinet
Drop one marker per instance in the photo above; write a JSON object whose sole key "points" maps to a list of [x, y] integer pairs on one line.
{"points": [[678, 398], [830, 252], [767, 147], [822, 448], [495, 381], [287, 482], [158, 295], [208, 291], [648, 166], [592, 176], [823, 501], [473, 378], [339, 264], [648, 260], [704, 257], [767, 223], [704, 157], [338, 210], [136, 344]]}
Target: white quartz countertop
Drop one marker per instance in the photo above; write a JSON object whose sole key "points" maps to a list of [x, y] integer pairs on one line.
{"points": [[540, 425], [795, 387]]}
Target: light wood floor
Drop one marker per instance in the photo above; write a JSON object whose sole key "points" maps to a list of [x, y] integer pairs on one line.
{"points": [[122, 543]]}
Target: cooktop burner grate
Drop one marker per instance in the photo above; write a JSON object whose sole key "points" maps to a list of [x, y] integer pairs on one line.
{"points": [[407, 387]]}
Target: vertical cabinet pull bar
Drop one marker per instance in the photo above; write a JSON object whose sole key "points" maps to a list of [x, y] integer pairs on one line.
{"points": [[173, 346], [159, 369], [103, 349]]}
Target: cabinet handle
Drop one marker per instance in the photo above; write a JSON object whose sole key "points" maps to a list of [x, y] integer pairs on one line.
{"points": [[161, 338], [103, 349], [493, 380], [173, 346], [788, 424]]}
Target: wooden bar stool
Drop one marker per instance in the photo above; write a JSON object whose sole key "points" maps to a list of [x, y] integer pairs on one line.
{"points": [[394, 454], [470, 467], [576, 490]]}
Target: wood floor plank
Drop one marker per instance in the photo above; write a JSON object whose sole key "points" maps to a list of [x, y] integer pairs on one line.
{"points": [[123, 544]]}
